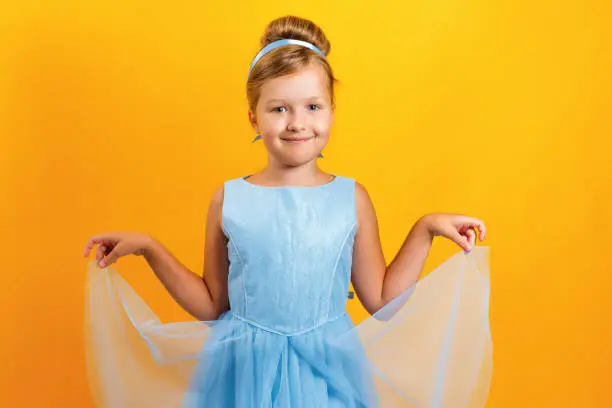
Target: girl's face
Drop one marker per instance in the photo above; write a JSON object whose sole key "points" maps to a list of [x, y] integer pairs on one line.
{"points": [[294, 116]]}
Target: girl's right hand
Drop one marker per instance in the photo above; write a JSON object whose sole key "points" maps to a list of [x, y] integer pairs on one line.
{"points": [[113, 245]]}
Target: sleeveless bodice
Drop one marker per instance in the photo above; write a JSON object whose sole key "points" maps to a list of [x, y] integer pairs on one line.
{"points": [[290, 252]]}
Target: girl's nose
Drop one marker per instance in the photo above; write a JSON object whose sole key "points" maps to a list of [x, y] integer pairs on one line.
{"points": [[296, 122]]}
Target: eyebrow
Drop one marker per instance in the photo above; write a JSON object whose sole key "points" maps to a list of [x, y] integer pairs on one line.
{"points": [[283, 100]]}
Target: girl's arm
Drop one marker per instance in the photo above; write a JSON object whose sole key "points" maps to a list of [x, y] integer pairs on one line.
{"points": [[375, 283], [204, 297]]}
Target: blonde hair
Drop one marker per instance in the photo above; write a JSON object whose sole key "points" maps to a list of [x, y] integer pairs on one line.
{"points": [[289, 59]]}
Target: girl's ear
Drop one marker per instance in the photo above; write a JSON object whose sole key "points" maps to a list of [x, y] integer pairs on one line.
{"points": [[253, 121]]}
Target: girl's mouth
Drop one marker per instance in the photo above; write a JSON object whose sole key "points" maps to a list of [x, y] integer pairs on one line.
{"points": [[296, 139]]}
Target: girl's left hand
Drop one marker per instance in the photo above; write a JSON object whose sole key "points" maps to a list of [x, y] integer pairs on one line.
{"points": [[460, 229]]}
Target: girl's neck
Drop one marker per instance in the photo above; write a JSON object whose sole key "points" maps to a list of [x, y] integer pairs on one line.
{"points": [[307, 175]]}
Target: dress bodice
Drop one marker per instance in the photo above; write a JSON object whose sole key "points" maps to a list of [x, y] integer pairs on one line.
{"points": [[290, 252]]}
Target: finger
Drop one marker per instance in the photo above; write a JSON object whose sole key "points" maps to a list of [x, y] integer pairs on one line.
{"points": [[482, 230], [111, 257], [478, 224], [107, 260], [96, 239], [460, 240], [101, 252], [108, 238], [470, 234]]}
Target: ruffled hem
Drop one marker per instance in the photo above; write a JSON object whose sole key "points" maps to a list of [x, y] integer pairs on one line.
{"points": [[430, 347]]}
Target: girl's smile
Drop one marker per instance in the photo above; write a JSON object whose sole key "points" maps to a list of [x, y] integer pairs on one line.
{"points": [[297, 139]]}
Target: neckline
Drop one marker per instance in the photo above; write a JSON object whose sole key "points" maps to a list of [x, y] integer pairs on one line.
{"points": [[332, 181]]}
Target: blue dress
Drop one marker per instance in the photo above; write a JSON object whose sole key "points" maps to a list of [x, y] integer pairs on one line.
{"points": [[287, 340]]}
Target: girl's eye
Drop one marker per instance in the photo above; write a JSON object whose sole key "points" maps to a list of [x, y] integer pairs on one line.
{"points": [[282, 109]]}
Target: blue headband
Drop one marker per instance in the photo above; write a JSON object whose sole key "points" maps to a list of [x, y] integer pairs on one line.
{"points": [[280, 43]]}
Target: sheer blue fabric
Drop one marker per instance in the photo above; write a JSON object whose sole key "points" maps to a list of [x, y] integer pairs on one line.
{"points": [[287, 340]]}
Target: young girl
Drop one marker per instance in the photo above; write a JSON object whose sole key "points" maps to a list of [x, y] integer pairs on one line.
{"points": [[282, 247]]}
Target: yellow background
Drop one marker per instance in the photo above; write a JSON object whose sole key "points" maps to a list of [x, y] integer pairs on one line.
{"points": [[128, 114]]}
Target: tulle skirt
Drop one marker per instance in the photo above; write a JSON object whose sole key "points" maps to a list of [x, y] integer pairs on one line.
{"points": [[430, 347]]}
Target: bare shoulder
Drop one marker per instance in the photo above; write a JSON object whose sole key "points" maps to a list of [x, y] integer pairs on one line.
{"points": [[366, 215], [217, 197], [361, 192], [362, 197], [215, 207]]}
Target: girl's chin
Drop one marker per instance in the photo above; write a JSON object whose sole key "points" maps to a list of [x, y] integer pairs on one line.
{"points": [[296, 159]]}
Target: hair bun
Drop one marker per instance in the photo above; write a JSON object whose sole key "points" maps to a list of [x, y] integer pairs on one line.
{"points": [[296, 28]]}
